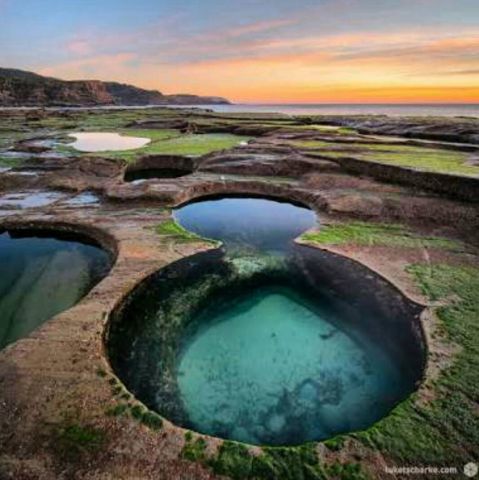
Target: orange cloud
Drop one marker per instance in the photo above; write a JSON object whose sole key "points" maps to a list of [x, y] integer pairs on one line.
{"points": [[396, 66], [101, 67]]}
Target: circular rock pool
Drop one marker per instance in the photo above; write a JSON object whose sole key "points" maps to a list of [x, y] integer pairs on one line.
{"points": [[247, 223], [43, 273], [264, 348], [267, 351]]}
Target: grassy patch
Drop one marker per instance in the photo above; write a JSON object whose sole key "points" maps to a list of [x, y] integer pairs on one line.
{"points": [[235, 461], [363, 233], [445, 431], [118, 410], [194, 449], [152, 420], [138, 412], [172, 142], [313, 144], [190, 144], [172, 229], [73, 440], [421, 158], [429, 159], [9, 162], [286, 463]]}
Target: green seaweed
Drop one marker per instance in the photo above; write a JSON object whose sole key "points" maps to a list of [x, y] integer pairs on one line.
{"points": [[152, 420], [9, 162], [364, 233], [445, 430], [117, 410], [428, 159], [137, 411], [420, 158], [194, 449], [73, 440], [235, 461], [172, 229], [173, 142]]}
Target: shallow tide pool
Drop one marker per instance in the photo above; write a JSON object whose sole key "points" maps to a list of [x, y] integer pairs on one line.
{"points": [[265, 341], [103, 141], [42, 277], [248, 223], [272, 369]]}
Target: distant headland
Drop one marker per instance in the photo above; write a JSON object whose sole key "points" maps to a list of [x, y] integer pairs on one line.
{"points": [[21, 88]]}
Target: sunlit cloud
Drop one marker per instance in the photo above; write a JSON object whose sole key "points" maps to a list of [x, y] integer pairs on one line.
{"points": [[309, 51], [79, 46], [101, 67]]}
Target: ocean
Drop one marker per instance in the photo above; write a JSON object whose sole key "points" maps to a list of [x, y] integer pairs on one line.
{"points": [[448, 110]]}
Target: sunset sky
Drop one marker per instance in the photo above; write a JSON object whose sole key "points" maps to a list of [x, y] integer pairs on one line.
{"points": [[256, 51]]}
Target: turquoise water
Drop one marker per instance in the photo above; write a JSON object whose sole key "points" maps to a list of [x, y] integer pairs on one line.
{"points": [[247, 223], [273, 369], [41, 277], [265, 341]]}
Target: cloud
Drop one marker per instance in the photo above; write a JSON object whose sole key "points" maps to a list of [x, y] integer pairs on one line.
{"points": [[460, 72], [342, 48], [79, 46], [101, 67]]}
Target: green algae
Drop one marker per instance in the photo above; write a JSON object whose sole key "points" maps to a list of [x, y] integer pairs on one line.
{"points": [[194, 448], [196, 145], [420, 158], [8, 162], [236, 461], [72, 440], [138, 412], [363, 233], [443, 431], [168, 142], [313, 144], [326, 129], [172, 229], [428, 159]]}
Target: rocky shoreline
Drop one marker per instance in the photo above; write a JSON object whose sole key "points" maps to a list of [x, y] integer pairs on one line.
{"points": [[403, 207]]}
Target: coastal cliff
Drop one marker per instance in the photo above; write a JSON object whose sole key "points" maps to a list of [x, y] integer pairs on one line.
{"points": [[20, 88]]}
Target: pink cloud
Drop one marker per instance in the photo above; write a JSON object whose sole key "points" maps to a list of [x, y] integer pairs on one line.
{"points": [[99, 67], [257, 27], [79, 47]]}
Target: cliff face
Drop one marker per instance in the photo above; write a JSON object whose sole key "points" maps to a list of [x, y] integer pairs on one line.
{"points": [[20, 88]]}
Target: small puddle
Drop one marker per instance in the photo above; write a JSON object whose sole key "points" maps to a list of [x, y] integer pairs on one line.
{"points": [[42, 276], [102, 142], [29, 199], [83, 199]]}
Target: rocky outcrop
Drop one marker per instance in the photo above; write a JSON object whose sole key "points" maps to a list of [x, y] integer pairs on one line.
{"points": [[19, 88], [442, 129]]}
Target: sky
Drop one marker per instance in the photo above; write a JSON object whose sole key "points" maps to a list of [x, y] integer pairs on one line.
{"points": [[255, 51]]}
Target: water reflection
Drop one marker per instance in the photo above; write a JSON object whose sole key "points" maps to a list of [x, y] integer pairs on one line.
{"points": [[41, 277], [247, 223], [103, 141]]}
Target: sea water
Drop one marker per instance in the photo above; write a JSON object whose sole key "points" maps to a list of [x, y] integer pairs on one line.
{"points": [[250, 223], [274, 369], [42, 277]]}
